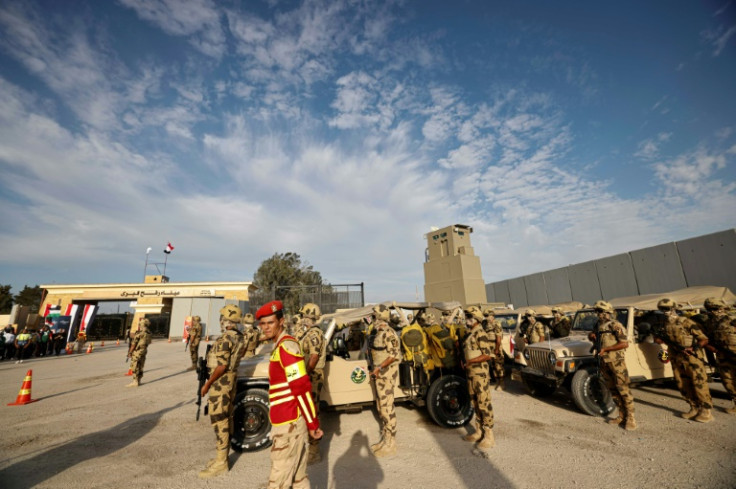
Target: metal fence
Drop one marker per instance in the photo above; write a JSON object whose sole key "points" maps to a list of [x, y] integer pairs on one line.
{"points": [[329, 297]]}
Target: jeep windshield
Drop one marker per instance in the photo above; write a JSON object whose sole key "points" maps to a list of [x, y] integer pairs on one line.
{"points": [[586, 319]]}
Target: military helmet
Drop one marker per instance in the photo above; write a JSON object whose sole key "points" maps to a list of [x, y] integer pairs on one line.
{"points": [[196, 319], [310, 311], [603, 306], [248, 319], [145, 322], [475, 312], [488, 311], [666, 304], [231, 312], [382, 313], [530, 312], [556, 310], [713, 304]]}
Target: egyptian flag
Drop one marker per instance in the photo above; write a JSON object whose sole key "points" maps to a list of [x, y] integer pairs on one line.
{"points": [[87, 317], [169, 248]]}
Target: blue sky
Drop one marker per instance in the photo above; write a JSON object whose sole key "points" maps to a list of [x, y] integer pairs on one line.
{"points": [[345, 130]]}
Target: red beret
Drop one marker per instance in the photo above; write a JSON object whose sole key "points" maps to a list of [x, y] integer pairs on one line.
{"points": [[269, 308]]}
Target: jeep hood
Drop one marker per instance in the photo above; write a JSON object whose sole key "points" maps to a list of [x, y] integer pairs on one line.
{"points": [[570, 346]]}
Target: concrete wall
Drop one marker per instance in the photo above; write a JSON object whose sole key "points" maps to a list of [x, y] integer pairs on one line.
{"points": [[704, 260]]}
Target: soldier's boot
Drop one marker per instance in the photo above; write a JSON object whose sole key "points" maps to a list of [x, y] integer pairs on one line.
{"points": [[488, 440], [732, 409], [219, 466], [618, 420], [135, 383], [314, 456], [192, 367], [377, 446], [704, 416], [500, 384], [630, 423], [475, 435], [388, 448], [692, 413]]}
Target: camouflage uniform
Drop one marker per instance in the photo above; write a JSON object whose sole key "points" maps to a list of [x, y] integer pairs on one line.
{"points": [[721, 332], [385, 344], [494, 330], [312, 342], [195, 335], [138, 350], [251, 339], [561, 328], [613, 367], [679, 333], [477, 343], [226, 351]]}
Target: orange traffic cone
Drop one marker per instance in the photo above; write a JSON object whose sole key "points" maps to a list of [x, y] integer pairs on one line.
{"points": [[102, 344], [169, 339], [130, 372], [24, 396], [89, 348], [207, 340], [117, 343], [68, 349]]}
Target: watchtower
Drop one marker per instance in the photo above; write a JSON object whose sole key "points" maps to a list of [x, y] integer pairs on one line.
{"points": [[451, 269]]}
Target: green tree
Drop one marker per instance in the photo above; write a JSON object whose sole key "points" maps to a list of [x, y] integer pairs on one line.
{"points": [[30, 296], [281, 276], [6, 299]]}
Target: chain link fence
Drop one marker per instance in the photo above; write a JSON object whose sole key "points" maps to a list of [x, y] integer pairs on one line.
{"points": [[329, 297]]}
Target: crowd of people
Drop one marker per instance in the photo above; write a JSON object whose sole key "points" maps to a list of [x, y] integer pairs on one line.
{"points": [[30, 343]]}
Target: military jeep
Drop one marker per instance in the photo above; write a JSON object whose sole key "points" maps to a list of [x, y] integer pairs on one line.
{"points": [[442, 389], [569, 362]]}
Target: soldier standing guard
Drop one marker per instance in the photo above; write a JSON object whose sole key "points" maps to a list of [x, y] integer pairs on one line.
{"points": [[532, 330], [292, 413], [613, 342], [560, 326], [138, 350], [494, 330], [312, 342], [721, 332], [478, 349], [682, 336], [251, 335], [195, 334], [385, 351], [223, 362]]}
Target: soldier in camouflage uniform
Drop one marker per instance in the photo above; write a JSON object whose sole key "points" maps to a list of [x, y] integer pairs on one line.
{"points": [[494, 330], [613, 342], [721, 332], [251, 335], [560, 325], [532, 331], [195, 335], [682, 336], [312, 342], [222, 362], [138, 350], [478, 350], [385, 351]]}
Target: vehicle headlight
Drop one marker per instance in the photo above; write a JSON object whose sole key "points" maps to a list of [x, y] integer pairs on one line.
{"points": [[552, 357], [527, 355]]}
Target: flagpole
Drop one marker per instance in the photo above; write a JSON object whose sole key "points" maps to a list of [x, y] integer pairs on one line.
{"points": [[166, 258], [145, 267]]}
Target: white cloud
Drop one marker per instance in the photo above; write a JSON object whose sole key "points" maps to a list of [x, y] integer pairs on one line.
{"points": [[650, 148], [718, 38]]}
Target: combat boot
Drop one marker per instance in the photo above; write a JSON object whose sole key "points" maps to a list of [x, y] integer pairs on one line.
{"points": [[690, 414], [475, 435], [388, 448], [377, 446], [617, 421], [704, 416], [500, 384], [488, 440], [135, 383], [630, 423], [193, 367], [314, 456], [220, 466], [732, 409]]}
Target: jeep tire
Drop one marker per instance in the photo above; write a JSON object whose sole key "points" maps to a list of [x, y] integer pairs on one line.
{"points": [[251, 426], [448, 401], [590, 394]]}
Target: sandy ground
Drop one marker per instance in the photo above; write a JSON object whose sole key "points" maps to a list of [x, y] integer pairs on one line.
{"points": [[88, 431]]}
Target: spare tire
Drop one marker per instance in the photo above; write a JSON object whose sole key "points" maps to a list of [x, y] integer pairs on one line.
{"points": [[590, 394], [448, 401], [251, 425]]}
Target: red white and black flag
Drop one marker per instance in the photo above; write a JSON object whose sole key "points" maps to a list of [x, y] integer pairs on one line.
{"points": [[169, 248]]}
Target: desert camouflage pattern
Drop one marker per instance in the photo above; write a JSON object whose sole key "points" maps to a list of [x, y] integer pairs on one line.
{"points": [[679, 333], [195, 335], [561, 328], [494, 330], [477, 343], [313, 343], [227, 351], [289, 444], [251, 340], [386, 344], [140, 343], [613, 367], [721, 331], [534, 332]]}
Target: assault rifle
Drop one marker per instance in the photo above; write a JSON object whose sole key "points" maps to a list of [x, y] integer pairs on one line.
{"points": [[202, 375], [187, 343]]}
